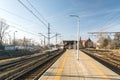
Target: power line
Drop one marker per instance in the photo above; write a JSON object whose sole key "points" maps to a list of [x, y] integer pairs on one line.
{"points": [[16, 16], [39, 13], [36, 11], [24, 30], [109, 22], [21, 17], [19, 28], [46, 25], [33, 13]]}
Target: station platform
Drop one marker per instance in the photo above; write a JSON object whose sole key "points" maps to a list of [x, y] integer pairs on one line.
{"points": [[68, 67]]}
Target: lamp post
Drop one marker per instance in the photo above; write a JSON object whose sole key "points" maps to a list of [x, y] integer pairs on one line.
{"points": [[9, 39], [78, 34], [14, 39], [44, 37]]}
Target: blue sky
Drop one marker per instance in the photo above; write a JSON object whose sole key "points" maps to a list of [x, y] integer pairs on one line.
{"points": [[95, 15]]}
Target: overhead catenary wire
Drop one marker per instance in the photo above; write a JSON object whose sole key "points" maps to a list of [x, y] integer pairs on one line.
{"points": [[21, 17], [37, 11], [20, 28], [107, 25], [39, 14], [46, 25], [33, 13], [109, 22], [24, 30]]}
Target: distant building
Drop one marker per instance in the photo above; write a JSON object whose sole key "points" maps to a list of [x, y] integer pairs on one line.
{"points": [[89, 44], [70, 44], [83, 42]]}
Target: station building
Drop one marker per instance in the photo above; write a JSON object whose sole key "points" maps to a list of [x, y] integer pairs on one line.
{"points": [[70, 44]]}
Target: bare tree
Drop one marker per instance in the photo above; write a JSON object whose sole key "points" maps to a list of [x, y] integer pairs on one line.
{"points": [[100, 41], [117, 36], [116, 41], [3, 30]]}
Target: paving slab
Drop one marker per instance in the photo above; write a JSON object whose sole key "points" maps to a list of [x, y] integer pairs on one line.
{"points": [[68, 67]]}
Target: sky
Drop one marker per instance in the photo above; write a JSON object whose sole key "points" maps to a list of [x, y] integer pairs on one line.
{"points": [[95, 16]]}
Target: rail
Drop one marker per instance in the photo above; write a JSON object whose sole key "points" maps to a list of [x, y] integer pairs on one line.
{"points": [[107, 58]]}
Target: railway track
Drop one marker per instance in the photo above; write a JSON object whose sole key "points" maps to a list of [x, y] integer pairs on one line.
{"points": [[37, 72], [107, 58], [9, 66], [14, 69]]}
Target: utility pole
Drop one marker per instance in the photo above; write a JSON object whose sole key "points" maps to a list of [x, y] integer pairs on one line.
{"points": [[49, 37], [44, 41], [56, 38]]}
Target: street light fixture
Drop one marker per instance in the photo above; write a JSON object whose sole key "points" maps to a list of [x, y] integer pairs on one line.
{"points": [[78, 34]]}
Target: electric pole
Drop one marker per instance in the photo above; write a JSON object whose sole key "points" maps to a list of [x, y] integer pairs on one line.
{"points": [[56, 38], [49, 37]]}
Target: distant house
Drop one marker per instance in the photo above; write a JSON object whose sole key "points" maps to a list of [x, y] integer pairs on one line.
{"points": [[83, 43], [89, 44]]}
